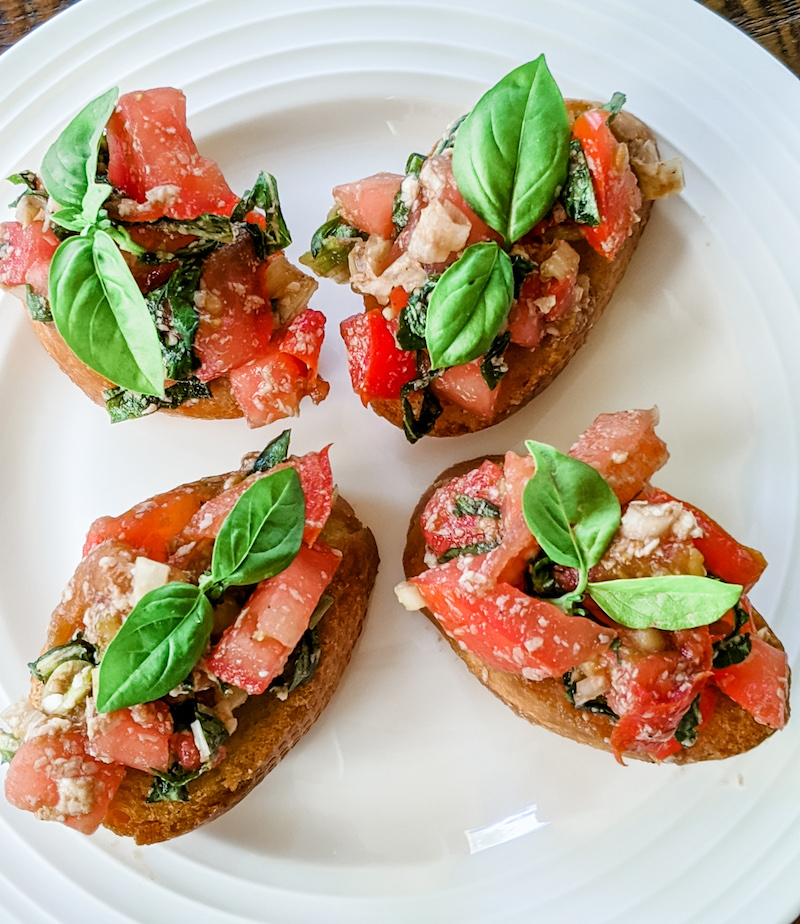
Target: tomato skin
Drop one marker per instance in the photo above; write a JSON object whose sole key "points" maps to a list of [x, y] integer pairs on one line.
{"points": [[25, 255], [724, 556], [624, 448], [378, 367], [758, 684], [270, 387], [443, 529], [316, 480], [32, 780], [505, 627], [235, 314], [303, 338], [137, 737], [151, 148], [151, 526], [616, 190], [367, 204], [466, 387], [248, 655]]}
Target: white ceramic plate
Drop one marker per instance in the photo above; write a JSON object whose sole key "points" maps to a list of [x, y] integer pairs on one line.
{"points": [[367, 818]]}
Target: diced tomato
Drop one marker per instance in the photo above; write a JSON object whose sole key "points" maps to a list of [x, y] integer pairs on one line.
{"points": [[303, 338], [151, 525], [367, 204], [615, 186], [378, 367], [234, 309], [316, 480], [706, 705], [651, 693], [541, 301], [398, 299], [269, 388], [55, 777], [724, 557], [137, 737], [25, 255], [467, 388], [249, 655], [758, 684], [182, 744], [444, 529], [624, 448], [506, 628], [152, 159]]}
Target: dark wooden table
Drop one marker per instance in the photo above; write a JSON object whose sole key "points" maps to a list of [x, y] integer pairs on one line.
{"points": [[773, 23]]}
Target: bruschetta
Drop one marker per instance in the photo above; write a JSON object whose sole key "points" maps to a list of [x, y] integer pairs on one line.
{"points": [[202, 634], [485, 265], [595, 604], [152, 284]]}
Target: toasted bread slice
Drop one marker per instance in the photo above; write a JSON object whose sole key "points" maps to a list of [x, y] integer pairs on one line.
{"points": [[731, 729]]}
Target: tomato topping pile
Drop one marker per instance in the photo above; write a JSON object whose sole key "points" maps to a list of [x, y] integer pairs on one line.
{"points": [[659, 687], [68, 766]]}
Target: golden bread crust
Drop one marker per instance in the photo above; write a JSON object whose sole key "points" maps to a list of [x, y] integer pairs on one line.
{"points": [[731, 729]]}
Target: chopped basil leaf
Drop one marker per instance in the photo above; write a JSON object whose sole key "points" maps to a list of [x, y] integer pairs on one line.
{"points": [[540, 578], [740, 617], [521, 267], [598, 706], [577, 196], [213, 729], [25, 178], [126, 405], [416, 426], [171, 785], [731, 650], [448, 139], [273, 453], [330, 247], [9, 745], [399, 207], [411, 321], [615, 104], [493, 366], [176, 318], [466, 506], [306, 659], [476, 548], [615, 646], [264, 195], [686, 732], [37, 305], [76, 650]]}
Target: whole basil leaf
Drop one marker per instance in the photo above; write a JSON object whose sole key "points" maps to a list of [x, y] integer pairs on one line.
{"points": [[101, 314], [468, 305], [158, 645], [70, 165], [569, 508], [511, 152], [672, 601], [262, 534]]}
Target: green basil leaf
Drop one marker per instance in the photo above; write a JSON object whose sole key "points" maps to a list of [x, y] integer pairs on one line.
{"points": [[399, 207], [158, 645], [9, 745], [78, 649], [176, 318], [732, 650], [171, 786], [466, 506], [411, 320], [128, 405], [598, 706], [469, 304], [577, 196], [540, 580], [493, 364], [686, 732], [448, 139], [71, 219], [24, 178], [615, 104], [511, 152], [672, 601], [477, 548], [415, 426], [101, 314], [70, 165], [522, 268], [569, 508], [330, 248], [262, 534], [273, 453], [264, 196], [38, 306]]}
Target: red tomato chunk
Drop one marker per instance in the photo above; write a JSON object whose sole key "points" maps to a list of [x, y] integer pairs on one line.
{"points": [[378, 367]]}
